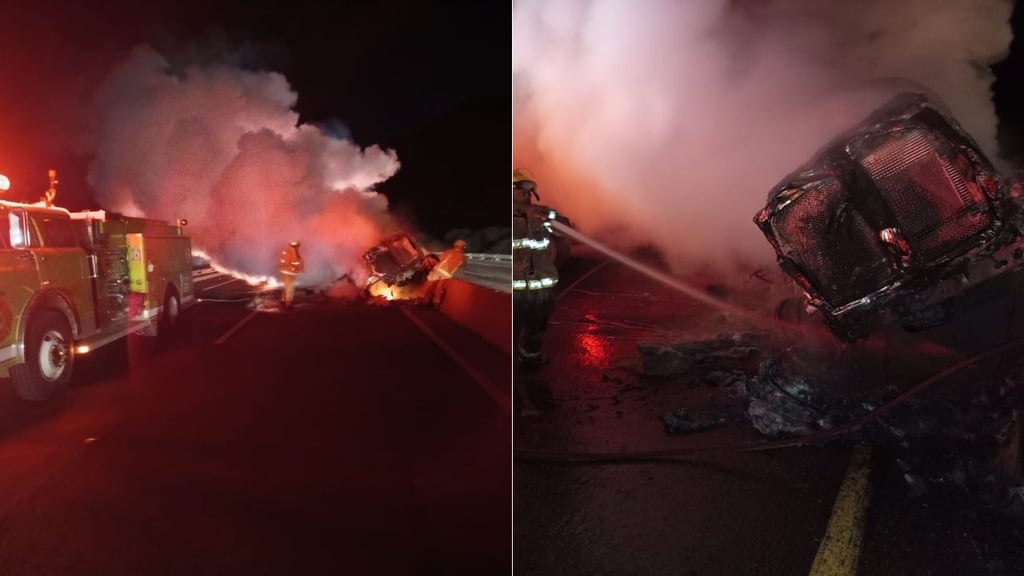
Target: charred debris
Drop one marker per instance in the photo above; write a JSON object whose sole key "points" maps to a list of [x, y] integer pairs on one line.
{"points": [[905, 247]]}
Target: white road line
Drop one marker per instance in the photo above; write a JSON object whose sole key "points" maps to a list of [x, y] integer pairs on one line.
{"points": [[222, 284], [236, 327], [473, 373], [204, 273]]}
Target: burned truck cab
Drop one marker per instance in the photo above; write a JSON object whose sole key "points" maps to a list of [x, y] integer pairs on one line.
{"points": [[398, 267], [893, 219]]}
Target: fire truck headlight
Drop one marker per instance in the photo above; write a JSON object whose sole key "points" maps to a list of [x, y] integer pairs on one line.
{"points": [[5, 183]]}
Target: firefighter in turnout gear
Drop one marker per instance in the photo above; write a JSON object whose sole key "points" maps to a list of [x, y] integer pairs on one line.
{"points": [[450, 262], [290, 266], [534, 274]]}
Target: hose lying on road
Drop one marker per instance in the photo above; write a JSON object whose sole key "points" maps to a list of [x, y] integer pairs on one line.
{"points": [[677, 454]]}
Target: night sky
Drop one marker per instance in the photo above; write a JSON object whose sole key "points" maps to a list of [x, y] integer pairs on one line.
{"points": [[1009, 93], [429, 79]]}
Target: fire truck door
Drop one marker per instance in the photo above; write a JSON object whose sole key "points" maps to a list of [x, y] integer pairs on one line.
{"points": [[19, 279], [63, 263]]}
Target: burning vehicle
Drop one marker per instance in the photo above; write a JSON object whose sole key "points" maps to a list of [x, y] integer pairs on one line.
{"points": [[398, 267], [893, 220]]}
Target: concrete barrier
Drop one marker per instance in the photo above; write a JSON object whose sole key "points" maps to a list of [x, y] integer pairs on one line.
{"points": [[484, 311]]}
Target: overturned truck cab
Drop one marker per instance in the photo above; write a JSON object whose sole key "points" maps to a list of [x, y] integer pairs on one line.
{"points": [[893, 220], [398, 267]]}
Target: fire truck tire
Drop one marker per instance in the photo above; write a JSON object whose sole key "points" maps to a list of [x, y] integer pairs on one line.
{"points": [[49, 358], [170, 315]]}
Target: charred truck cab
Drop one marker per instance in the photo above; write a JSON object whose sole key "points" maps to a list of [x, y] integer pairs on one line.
{"points": [[73, 282], [894, 220], [397, 266]]}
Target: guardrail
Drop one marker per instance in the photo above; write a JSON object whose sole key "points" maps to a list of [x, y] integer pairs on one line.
{"points": [[492, 271], [490, 257]]}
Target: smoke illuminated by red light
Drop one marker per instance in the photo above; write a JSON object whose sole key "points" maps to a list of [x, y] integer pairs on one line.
{"points": [[223, 148], [667, 122]]}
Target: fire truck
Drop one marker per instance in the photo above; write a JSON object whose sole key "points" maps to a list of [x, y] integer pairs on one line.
{"points": [[73, 282]]}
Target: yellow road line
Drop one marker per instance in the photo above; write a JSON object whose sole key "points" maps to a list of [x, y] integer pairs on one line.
{"points": [[839, 550]]}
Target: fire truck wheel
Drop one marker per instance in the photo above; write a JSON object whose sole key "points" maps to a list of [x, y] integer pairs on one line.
{"points": [[49, 358], [170, 314]]}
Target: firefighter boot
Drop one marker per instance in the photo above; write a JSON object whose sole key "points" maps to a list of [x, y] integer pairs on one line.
{"points": [[532, 358]]}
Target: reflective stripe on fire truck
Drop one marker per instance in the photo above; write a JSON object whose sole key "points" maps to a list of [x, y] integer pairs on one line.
{"points": [[530, 243], [8, 353], [534, 284]]}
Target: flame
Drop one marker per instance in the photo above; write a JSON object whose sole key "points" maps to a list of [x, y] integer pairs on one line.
{"points": [[381, 290], [268, 281], [416, 291]]}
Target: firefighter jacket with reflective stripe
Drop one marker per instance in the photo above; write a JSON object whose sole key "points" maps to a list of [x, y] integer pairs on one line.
{"points": [[291, 262], [450, 262], [533, 268]]}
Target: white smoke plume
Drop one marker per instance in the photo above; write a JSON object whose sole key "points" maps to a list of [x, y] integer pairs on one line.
{"points": [[223, 148], [668, 121]]}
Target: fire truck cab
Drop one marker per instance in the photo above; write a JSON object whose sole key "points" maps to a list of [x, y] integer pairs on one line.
{"points": [[73, 282]]}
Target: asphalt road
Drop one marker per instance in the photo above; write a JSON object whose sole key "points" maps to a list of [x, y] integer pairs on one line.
{"points": [[332, 439], [725, 513]]}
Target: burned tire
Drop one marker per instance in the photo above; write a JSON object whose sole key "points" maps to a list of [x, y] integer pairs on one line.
{"points": [[49, 358]]}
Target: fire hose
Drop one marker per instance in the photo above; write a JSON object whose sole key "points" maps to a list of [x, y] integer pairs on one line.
{"points": [[678, 454]]}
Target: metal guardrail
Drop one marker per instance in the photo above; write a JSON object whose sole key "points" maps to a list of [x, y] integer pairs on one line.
{"points": [[492, 271], [492, 257], [489, 270]]}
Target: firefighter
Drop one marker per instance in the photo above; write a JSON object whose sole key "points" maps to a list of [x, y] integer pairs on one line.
{"points": [[51, 193], [534, 274], [290, 265], [450, 262]]}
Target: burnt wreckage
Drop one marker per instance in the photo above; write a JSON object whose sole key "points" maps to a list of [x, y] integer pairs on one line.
{"points": [[893, 220]]}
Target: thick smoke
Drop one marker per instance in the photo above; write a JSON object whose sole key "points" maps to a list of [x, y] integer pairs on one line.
{"points": [[222, 148], [667, 122]]}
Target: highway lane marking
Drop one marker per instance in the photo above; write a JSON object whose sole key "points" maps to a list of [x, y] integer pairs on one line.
{"points": [[221, 284], [236, 327], [839, 550], [582, 278], [459, 359], [204, 273]]}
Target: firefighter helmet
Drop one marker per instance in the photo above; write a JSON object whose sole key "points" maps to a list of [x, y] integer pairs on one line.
{"points": [[460, 244], [523, 186], [521, 175]]}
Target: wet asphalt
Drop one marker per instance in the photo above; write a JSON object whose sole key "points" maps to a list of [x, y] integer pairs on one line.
{"points": [[726, 512], [332, 439]]}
